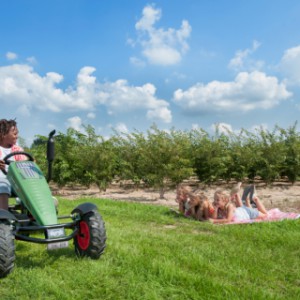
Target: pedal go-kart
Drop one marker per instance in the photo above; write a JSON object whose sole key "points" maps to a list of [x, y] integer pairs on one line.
{"points": [[35, 214]]}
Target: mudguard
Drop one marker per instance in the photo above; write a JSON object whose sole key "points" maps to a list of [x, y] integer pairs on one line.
{"points": [[84, 208]]}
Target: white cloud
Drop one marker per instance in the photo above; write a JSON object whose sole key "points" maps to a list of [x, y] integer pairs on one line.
{"points": [[160, 114], [242, 61], [162, 55], [247, 92], [91, 115], [11, 56], [195, 126], [23, 110], [160, 46], [119, 97], [31, 60], [23, 87], [137, 62], [51, 126], [290, 65], [175, 76], [149, 18], [121, 128], [75, 123], [19, 84]]}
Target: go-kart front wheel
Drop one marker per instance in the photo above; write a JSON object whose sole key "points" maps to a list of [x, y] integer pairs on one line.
{"points": [[91, 237], [7, 250]]}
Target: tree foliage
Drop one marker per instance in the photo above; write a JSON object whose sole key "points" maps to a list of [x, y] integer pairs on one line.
{"points": [[159, 158]]}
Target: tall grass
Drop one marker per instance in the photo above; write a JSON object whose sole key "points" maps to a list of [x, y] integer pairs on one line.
{"points": [[153, 254]]}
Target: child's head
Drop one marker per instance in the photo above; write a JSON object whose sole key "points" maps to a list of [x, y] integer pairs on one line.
{"points": [[8, 132], [181, 193], [221, 199], [196, 199]]}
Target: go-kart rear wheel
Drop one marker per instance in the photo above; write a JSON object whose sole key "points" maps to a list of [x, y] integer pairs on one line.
{"points": [[7, 250], [90, 240]]}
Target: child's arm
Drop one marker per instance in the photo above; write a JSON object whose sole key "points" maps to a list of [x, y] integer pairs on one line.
{"points": [[2, 165], [204, 212], [181, 206], [215, 213], [192, 211], [229, 216]]}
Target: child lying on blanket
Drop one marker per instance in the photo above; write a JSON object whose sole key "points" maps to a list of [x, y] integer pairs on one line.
{"points": [[193, 205], [201, 208], [236, 210]]}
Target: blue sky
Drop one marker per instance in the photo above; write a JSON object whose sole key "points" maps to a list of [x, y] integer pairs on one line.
{"points": [[126, 65]]}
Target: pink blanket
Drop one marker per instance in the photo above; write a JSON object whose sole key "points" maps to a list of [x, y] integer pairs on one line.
{"points": [[274, 214]]}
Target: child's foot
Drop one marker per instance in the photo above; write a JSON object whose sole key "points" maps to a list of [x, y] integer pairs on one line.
{"points": [[236, 189], [246, 193]]}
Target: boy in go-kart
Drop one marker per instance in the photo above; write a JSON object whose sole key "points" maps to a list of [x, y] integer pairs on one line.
{"points": [[8, 139]]}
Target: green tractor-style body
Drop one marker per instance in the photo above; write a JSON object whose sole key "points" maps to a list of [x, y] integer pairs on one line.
{"points": [[30, 185], [35, 212]]}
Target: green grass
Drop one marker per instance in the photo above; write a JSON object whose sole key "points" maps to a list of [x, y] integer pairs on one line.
{"points": [[153, 254]]}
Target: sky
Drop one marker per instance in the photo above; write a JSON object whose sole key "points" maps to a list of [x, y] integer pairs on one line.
{"points": [[126, 65]]}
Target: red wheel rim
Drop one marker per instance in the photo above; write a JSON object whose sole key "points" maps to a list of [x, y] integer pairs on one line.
{"points": [[83, 238]]}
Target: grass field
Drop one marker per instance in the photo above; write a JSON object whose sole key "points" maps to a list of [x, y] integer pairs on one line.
{"points": [[153, 254]]}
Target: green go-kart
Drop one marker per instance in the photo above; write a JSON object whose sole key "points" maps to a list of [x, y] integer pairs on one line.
{"points": [[34, 218]]}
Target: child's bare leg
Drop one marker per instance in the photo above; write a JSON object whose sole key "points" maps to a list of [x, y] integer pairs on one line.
{"points": [[238, 200], [261, 215], [261, 208], [247, 203], [4, 201]]}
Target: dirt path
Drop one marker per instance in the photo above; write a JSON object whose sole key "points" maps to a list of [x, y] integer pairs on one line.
{"points": [[282, 195]]}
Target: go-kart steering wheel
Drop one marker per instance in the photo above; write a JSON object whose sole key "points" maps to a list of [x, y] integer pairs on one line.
{"points": [[7, 162]]}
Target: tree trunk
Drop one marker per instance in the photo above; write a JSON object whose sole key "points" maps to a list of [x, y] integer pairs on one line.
{"points": [[162, 192]]}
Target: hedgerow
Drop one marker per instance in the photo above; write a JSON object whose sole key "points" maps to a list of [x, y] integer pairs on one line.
{"points": [[159, 158]]}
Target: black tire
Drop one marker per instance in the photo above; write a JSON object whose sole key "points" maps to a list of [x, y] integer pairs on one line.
{"points": [[7, 250], [91, 238]]}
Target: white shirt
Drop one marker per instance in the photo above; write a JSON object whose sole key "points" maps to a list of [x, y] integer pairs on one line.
{"points": [[3, 153]]}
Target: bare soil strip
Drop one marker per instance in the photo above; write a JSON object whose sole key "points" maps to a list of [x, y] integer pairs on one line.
{"points": [[282, 195]]}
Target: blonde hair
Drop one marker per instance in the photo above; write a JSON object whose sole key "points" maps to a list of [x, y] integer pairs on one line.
{"points": [[221, 195], [181, 191]]}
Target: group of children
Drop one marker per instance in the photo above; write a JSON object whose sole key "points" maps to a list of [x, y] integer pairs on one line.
{"points": [[225, 208]]}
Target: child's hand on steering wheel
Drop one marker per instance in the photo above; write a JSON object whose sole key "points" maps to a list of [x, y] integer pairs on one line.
{"points": [[2, 165]]}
